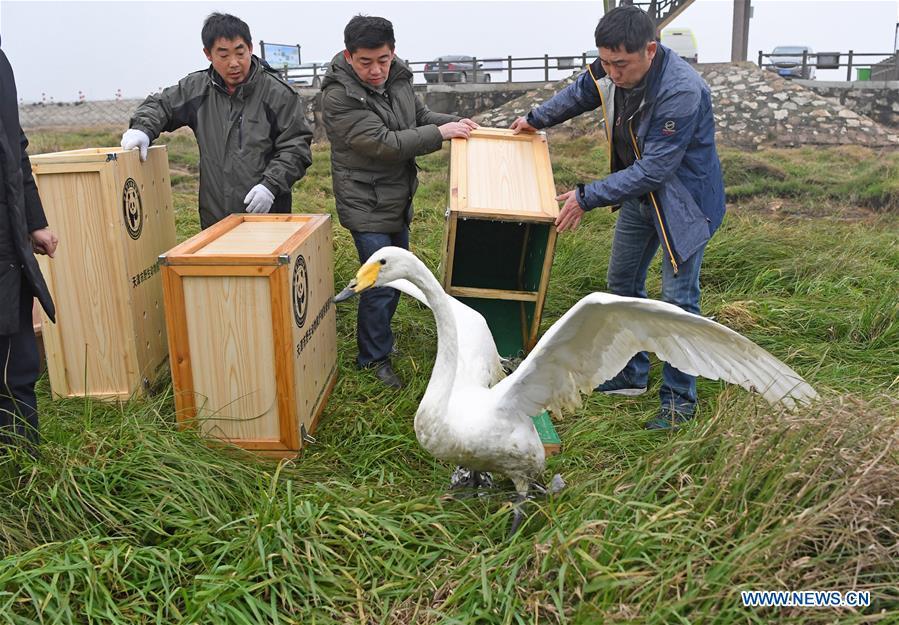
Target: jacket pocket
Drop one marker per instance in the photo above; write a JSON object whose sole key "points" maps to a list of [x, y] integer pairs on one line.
{"points": [[687, 225], [392, 196], [357, 190]]}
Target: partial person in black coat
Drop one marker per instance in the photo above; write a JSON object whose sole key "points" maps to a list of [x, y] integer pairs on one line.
{"points": [[23, 233]]}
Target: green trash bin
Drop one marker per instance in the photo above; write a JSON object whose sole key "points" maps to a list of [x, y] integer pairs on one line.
{"points": [[863, 73]]}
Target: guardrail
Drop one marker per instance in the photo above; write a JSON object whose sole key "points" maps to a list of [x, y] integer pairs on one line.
{"points": [[835, 60], [473, 70]]}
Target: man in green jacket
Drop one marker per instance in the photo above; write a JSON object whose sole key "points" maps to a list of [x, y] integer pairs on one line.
{"points": [[377, 127], [249, 124]]}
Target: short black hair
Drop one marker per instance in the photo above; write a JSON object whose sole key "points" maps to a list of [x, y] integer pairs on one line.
{"points": [[627, 26], [223, 25], [368, 32]]}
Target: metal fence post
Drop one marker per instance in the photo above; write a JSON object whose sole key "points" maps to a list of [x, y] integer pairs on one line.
{"points": [[440, 70], [509, 60], [760, 59], [546, 67], [849, 67], [474, 69], [804, 62]]}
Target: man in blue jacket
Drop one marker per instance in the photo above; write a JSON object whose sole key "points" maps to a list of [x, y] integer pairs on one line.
{"points": [[665, 179]]}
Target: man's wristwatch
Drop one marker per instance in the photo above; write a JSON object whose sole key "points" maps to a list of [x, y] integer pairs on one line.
{"points": [[582, 197]]}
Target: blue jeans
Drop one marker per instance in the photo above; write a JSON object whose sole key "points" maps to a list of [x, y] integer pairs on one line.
{"points": [[374, 337], [633, 248]]}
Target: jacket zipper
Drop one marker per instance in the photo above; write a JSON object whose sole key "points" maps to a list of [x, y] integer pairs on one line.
{"points": [[240, 132], [655, 204]]}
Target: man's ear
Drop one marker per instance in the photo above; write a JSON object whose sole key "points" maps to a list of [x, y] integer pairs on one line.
{"points": [[208, 54], [347, 56], [651, 49], [250, 48]]}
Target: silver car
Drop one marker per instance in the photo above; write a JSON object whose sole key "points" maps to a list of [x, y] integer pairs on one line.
{"points": [[787, 62], [455, 68]]}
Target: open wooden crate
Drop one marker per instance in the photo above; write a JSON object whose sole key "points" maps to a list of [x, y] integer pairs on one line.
{"points": [[252, 329], [114, 216], [500, 237]]}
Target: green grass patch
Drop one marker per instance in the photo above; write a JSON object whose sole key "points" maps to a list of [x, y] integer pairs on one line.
{"points": [[126, 519]]}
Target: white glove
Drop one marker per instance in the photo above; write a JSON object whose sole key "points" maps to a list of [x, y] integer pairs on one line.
{"points": [[259, 199], [134, 138]]}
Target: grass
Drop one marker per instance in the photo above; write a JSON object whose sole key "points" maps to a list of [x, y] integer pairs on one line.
{"points": [[125, 519]]}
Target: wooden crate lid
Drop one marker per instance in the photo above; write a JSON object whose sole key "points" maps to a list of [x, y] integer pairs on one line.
{"points": [[496, 174], [85, 155], [245, 239]]}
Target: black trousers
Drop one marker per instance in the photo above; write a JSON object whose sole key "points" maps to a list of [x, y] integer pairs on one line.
{"points": [[19, 369]]}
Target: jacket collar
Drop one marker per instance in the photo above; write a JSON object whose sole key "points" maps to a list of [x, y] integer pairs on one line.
{"points": [[342, 72], [652, 78], [245, 88]]}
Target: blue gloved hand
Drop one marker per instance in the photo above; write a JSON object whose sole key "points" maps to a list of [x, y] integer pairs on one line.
{"points": [[259, 199], [134, 138]]}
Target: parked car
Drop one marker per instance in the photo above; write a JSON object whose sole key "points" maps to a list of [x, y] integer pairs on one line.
{"points": [[683, 42], [455, 68], [787, 61]]}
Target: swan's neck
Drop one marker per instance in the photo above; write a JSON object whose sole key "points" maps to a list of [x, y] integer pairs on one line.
{"points": [[444, 372]]}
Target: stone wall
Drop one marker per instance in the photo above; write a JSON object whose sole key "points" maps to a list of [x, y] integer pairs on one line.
{"points": [[469, 100], [753, 108], [879, 100]]}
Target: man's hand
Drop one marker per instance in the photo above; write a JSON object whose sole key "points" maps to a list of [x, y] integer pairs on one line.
{"points": [[521, 125], [259, 199], [570, 216], [43, 241], [457, 130], [134, 138]]}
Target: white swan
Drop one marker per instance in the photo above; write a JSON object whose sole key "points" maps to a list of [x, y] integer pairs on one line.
{"points": [[471, 416]]}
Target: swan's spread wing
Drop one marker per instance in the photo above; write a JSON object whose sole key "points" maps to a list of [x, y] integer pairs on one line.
{"points": [[478, 360], [596, 338]]}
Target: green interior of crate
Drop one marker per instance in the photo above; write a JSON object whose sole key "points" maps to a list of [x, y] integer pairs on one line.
{"points": [[488, 254], [544, 425], [504, 319]]}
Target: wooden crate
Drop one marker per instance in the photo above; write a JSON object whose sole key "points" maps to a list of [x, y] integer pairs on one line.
{"points": [[252, 329], [499, 238], [113, 215]]}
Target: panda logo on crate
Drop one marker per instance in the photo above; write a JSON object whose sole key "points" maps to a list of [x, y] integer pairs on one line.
{"points": [[132, 209], [300, 291]]}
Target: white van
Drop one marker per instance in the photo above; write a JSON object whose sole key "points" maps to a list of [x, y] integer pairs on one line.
{"points": [[682, 41]]}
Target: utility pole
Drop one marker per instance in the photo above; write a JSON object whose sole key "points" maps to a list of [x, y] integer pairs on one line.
{"points": [[739, 45]]}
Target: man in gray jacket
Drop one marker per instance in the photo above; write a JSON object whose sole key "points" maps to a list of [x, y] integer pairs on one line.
{"points": [[249, 124], [377, 127]]}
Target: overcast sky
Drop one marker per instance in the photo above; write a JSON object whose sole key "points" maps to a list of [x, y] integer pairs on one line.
{"points": [[59, 48]]}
